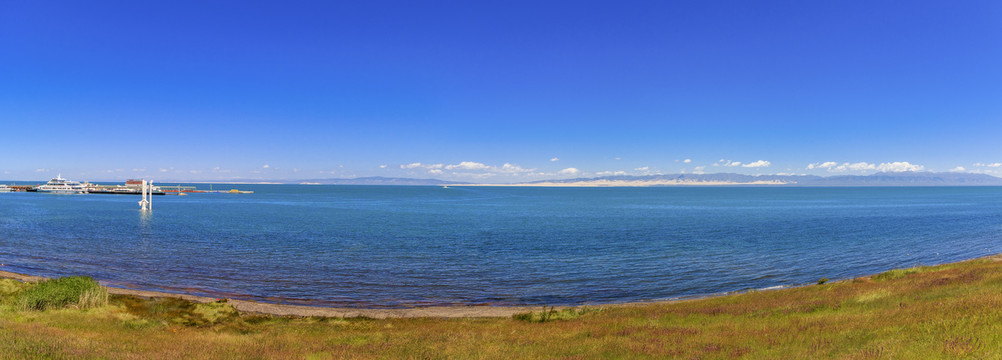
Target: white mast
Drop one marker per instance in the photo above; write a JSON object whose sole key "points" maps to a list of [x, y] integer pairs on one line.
{"points": [[147, 192]]}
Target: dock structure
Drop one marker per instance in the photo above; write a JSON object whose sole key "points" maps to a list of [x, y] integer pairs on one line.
{"points": [[137, 187], [177, 189]]}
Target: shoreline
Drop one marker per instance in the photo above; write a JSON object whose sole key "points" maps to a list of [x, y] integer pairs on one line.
{"points": [[452, 311], [433, 311], [255, 307]]}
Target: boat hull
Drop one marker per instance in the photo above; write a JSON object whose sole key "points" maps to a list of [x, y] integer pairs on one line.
{"points": [[62, 192], [122, 192]]}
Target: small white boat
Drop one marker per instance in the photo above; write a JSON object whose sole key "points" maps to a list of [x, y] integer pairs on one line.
{"points": [[58, 185], [4, 188]]}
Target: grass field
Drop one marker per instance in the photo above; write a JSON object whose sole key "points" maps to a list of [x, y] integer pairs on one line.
{"points": [[947, 312]]}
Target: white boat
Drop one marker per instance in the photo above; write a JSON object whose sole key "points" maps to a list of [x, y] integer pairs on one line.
{"points": [[4, 188], [58, 185]]}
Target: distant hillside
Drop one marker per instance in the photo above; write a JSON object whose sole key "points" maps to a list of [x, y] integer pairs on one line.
{"points": [[909, 179], [378, 181], [724, 179], [879, 179]]}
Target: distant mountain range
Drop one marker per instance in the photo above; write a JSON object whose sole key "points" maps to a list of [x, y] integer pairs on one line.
{"points": [[878, 179], [376, 180]]}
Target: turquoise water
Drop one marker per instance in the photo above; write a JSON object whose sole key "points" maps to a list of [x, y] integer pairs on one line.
{"points": [[384, 246]]}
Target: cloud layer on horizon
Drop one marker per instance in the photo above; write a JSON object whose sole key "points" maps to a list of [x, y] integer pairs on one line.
{"points": [[897, 166]]}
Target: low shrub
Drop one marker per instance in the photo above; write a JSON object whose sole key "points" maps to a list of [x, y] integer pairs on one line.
{"points": [[81, 291], [11, 286], [896, 274], [182, 312], [551, 314]]}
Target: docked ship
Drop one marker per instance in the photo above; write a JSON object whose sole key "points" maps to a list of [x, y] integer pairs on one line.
{"points": [[4, 188], [58, 185]]}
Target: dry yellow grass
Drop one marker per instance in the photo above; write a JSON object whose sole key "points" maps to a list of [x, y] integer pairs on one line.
{"points": [[943, 312]]}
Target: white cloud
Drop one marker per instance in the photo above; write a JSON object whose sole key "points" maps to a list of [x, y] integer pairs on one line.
{"points": [[163, 170], [607, 173], [265, 166], [860, 166], [687, 161], [760, 163], [512, 168], [470, 169], [644, 168], [43, 170], [958, 169], [824, 165], [832, 166], [468, 165], [475, 175], [699, 170], [899, 166], [994, 165], [728, 163], [382, 166], [569, 171], [139, 170], [554, 159]]}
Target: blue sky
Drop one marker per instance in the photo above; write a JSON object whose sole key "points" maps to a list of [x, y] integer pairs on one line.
{"points": [[264, 90]]}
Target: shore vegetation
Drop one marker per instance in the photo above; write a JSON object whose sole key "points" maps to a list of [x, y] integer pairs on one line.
{"points": [[937, 312]]}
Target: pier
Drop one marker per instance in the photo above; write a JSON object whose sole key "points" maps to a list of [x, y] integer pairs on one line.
{"points": [[132, 188]]}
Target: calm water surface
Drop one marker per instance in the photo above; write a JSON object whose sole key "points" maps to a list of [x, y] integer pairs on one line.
{"points": [[382, 246]]}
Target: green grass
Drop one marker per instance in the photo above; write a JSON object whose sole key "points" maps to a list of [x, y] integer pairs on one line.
{"points": [[938, 312], [80, 291]]}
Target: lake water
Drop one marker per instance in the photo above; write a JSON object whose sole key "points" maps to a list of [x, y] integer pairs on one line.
{"points": [[398, 246]]}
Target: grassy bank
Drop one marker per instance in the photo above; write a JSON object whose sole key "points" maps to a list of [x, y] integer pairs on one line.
{"points": [[949, 311]]}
